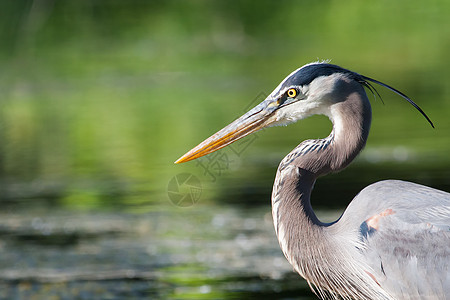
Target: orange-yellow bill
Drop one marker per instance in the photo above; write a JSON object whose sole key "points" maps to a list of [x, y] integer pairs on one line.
{"points": [[252, 121]]}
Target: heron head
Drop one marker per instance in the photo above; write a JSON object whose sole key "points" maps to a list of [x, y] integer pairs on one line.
{"points": [[309, 90]]}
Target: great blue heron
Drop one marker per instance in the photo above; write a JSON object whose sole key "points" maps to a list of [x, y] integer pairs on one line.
{"points": [[392, 241]]}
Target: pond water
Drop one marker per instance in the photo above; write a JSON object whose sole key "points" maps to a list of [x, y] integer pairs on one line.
{"points": [[202, 252]]}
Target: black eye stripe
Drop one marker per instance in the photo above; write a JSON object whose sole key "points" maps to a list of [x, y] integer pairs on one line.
{"points": [[282, 99], [289, 93]]}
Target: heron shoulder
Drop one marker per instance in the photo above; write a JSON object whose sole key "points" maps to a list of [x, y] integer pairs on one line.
{"points": [[400, 196], [394, 204]]}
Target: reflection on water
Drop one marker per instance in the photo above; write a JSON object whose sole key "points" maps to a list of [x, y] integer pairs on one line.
{"points": [[206, 252]]}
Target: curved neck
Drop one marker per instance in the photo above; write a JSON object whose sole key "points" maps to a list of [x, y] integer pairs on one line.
{"points": [[351, 124], [300, 233]]}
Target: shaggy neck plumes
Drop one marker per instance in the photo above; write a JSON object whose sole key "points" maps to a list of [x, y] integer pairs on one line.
{"points": [[296, 225]]}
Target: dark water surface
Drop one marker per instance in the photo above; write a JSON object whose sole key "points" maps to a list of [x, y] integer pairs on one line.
{"points": [[203, 252]]}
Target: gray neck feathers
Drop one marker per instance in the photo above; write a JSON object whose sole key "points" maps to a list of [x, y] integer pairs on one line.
{"points": [[351, 123], [296, 175], [303, 238]]}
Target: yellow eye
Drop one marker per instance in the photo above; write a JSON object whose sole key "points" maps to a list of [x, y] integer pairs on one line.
{"points": [[291, 93]]}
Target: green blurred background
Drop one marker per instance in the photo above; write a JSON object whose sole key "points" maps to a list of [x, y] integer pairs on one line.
{"points": [[98, 98]]}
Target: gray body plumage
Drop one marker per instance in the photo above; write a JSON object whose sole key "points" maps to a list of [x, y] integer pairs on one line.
{"points": [[409, 253]]}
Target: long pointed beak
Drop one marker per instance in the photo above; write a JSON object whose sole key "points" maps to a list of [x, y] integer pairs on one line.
{"points": [[255, 119]]}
